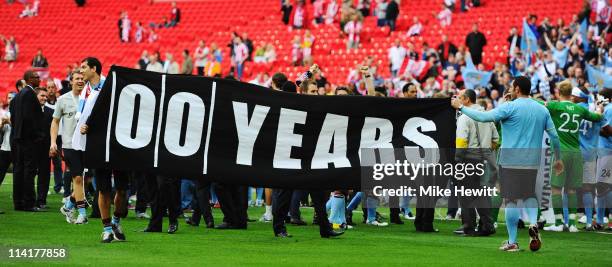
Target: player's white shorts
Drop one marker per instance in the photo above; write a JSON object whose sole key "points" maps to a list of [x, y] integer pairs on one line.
{"points": [[589, 169], [604, 169]]}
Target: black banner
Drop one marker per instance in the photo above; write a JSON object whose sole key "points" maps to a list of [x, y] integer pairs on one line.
{"points": [[238, 133]]}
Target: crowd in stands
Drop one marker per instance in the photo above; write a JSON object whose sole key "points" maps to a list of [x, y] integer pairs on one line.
{"points": [[138, 33], [559, 51]]}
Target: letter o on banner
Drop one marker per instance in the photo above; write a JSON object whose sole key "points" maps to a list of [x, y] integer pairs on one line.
{"points": [[195, 124], [125, 116]]}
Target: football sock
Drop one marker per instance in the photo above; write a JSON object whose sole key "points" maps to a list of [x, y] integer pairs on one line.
{"points": [[572, 203], [268, 210], [587, 200], [496, 202], [371, 214], [565, 209], [557, 203], [70, 203], [337, 210], [108, 227], [512, 216], [355, 201], [531, 206], [115, 220], [259, 191], [81, 208], [601, 208]]}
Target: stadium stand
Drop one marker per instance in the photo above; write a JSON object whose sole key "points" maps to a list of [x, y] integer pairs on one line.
{"points": [[60, 26]]}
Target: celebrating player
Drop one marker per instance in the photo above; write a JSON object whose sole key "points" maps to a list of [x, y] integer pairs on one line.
{"points": [[523, 122], [567, 117]]}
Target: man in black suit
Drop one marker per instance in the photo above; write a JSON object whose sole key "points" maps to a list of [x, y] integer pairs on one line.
{"points": [[202, 205], [165, 193], [446, 48], [475, 41], [234, 204], [26, 139], [44, 167], [281, 200]]}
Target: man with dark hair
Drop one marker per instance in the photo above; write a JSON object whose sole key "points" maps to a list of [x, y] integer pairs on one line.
{"points": [[410, 91], [475, 41], [91, 68], [474, 141], [44, 170], [392, 14], [187, 63], [175, 15], [56, 160], [20, 84], [39, 61], [282, 198], [26, 138], [446, 48], [93, 64], [524, 122], [278, 80]]}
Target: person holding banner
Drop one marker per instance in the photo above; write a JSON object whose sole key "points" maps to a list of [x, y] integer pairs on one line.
{"points": [[91, 68], [282, 197], [524, 122]]}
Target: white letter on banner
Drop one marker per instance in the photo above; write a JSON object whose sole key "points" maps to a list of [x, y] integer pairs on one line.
{"points": [[247, 130], [333, 129], [125, 117], [430, 146], [194, 127], [286, 139], [369, 140]]}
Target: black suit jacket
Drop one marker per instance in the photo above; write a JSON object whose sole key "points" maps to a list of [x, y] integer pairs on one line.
{"points": [[452, 49], [46, 124], [26, 116]]}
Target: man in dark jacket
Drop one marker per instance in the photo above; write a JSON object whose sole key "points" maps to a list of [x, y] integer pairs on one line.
{"points": [[446, 48], [475, 41], [26, 138], [392, 13], [44, 166]]}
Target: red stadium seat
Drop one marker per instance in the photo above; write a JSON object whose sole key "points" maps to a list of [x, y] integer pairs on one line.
{"points": [[54, 31]]}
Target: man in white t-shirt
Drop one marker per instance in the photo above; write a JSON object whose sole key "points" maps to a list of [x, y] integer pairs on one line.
{"points": [[444, 16], [5, 148], [241, 53], [397, 53], [66, 111], [200, 55], [353, 30]]}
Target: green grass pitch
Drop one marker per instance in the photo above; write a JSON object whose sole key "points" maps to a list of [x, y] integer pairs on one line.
{"points": [[363, 246]]}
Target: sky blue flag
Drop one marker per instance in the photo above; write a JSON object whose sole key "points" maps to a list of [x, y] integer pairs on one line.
{"points": [[474, 78], [529, 42], [598, 78], [583, 34]]}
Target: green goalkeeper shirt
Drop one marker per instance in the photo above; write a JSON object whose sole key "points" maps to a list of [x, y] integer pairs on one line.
{"points": [[567, 118]]}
